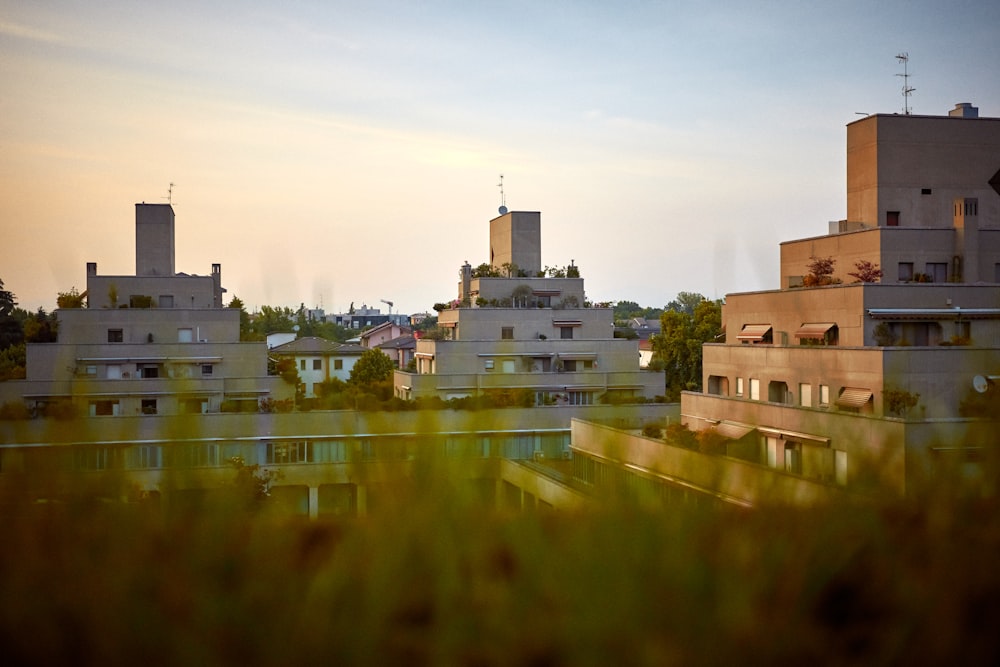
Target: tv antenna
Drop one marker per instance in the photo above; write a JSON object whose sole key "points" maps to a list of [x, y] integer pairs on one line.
{"points": [[904, 58], [170, 194], [503, 199]]}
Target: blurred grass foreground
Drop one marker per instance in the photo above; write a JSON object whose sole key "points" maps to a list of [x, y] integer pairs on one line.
{"points": [[437, 577]]}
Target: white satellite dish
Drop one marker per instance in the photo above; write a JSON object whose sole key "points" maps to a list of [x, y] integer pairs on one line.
{"points": [[980, 384]]}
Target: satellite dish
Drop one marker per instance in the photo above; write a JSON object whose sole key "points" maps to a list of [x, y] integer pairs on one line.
{"points": [[503, 210], [980, 384]]}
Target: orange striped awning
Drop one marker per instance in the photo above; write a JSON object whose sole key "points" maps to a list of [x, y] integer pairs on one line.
{"points": [[853, 398], [814, 329]]}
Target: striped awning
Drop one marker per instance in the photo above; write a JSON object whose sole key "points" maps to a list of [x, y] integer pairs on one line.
{"points": [[733, 430], [754, 332], [567, 323], [853, 398], [583, 356], [814, 329]]}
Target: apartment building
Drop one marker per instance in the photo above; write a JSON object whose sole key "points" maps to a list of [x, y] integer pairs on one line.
{"points": [[157, 342], [526, 331], [870, 385]]}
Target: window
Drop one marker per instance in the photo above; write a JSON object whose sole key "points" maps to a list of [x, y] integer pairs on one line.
{"points": [[302, 364], [824, 394], [566, 333], [149, 371], [905, 271], [149, 406], [114, 372], [185, 335], [840, 467], [739, 386], [793, 457], [569, 365], [115, 336], [317, 364], [488, 364], [754, 389], [937, 272], [288, 452], [103, 408], [925, 191], [507, 365], [805, 395], [207, 369], [581, 398], [892, 218], [507, 333], [166, 301], [338, 364]]}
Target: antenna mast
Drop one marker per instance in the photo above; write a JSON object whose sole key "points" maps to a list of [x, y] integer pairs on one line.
{"points": [[904, 58], [503, 199], [170, 194]]}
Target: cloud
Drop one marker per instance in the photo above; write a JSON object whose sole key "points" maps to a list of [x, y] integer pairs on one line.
{"points": [[25, 32]]}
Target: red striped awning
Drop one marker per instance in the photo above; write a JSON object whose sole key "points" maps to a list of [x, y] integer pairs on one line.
{"points": [[754, 332], [814, 329]]}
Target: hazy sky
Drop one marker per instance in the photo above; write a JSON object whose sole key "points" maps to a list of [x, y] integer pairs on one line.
{"points": [[336, 152]]}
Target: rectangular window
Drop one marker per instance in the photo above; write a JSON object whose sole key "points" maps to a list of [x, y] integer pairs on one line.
{"points": [[149, 372], [508, 365], [317, 364], [739, 386], [185, 335], [166, 301], [925, 191], [104, 408], [892, 218], [793, 458], [937, 272], [905, 271], [824, 394], [580, 398], [754, 389], [207, 369], [338, 364], [114, 372], [840, 467], [805, 395], [566, 333], [149, 406], [569, 365], [302, 364], [115, 336], [507, 333]]}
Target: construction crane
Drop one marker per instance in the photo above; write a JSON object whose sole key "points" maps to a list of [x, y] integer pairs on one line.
{"points": [[389, 303]]}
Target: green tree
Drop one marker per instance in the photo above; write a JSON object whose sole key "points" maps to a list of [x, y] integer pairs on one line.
{"points": [[246, 330], [11, 330], [678, 345], [71, 299], [372, 367], [685, 302], [41, 327]]}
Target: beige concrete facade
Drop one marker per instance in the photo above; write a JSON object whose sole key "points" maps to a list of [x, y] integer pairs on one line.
{"points": [[815, 381], [153, 343], [526, 333], [516, 238]]}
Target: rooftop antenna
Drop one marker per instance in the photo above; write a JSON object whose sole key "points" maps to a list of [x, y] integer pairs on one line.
{"points": [[170, 194], [904, 58], [503, 199]]}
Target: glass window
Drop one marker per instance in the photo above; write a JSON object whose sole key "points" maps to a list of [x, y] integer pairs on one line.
{"points": [[185, 335], [149, 406], [302, 364], [507, 333], [739, 386], [317, 364], [805, 395], [338, 364], [906, 271], [206, 369], [754, 389], [566, 333], [115, 336], [824, 394]]}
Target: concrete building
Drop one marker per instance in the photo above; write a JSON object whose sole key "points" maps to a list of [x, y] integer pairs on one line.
{"points": [[158, 342], [869, 385], [318, 360], [526, 332]]}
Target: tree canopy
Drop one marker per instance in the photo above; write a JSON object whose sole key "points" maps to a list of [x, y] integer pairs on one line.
{"points": [[677, 348], [372, 366]]}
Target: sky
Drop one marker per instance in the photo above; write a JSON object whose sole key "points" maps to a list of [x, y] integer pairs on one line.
{"points": [[329, 153]]}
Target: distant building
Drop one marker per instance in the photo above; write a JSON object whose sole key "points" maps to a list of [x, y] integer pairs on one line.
{"points": [[157, 342], [870, 385], [318, 360], [526, 332]]}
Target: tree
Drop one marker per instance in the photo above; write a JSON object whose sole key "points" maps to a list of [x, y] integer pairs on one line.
{"points": [[372, 367], [11, 331], [820, 272], [41, 327], [70, 299], [678, 345], [7, 302], [866, 272], [246, 330], [685, 302]]}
